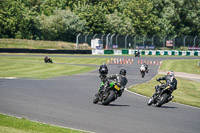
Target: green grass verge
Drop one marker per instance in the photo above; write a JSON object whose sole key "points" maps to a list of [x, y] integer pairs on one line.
{"points": [[10, 124], [34, 67], [186, 65], [38, 44]]}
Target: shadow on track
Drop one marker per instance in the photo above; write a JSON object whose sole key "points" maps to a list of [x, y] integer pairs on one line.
{"points": [[164, 107], [119, 105]]}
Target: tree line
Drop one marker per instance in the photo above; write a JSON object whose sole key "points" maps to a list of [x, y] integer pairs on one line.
{"points": [[64, 19]]}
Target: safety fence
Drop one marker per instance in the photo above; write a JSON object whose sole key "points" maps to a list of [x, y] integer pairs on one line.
{"points": [[146, 52], [113, 41]]}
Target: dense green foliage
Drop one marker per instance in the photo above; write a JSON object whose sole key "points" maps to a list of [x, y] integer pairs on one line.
{"points": [[64, 19]]}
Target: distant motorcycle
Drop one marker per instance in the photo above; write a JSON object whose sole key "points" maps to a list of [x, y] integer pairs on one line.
{"points": [[137, 54], [109, 93], [142, 71], [48, 60], [160, 98]]}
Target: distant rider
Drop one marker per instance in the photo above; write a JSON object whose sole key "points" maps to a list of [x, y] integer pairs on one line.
{"points": [[146, 67], [170, 81], [47, 59], [142, 68], [137, 53]]}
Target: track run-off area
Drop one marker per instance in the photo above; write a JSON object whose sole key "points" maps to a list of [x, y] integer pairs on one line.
{"points": [[67, 101]]}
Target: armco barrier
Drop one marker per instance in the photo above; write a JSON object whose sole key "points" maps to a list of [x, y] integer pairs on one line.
{"points": [[19, 50], [149, 52]]}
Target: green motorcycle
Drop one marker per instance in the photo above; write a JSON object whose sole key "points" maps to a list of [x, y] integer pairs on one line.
{"points": [[111, 90]]}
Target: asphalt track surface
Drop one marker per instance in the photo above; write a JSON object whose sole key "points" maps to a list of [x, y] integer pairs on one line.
{"points": [[67, 101]]}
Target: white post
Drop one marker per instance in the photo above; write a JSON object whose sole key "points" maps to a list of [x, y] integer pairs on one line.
{"points": [[153, 39], [111, 39], [135, 40], [184, 41], [126, 41], [195, 41], [107, 40], [86, 38], [77, 40], [94, 36]]}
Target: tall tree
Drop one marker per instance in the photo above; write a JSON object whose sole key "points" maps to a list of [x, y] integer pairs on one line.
{"points": [[94, 16], [62, 25], [140, 12], [120, 24]]}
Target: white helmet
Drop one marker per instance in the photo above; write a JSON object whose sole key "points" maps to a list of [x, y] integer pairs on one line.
{"points": [[170, 73]]}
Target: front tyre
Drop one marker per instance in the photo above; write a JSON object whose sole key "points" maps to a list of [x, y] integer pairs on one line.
{"points": [[110, 97], [150, 101], [95, 100], [163, 100]]}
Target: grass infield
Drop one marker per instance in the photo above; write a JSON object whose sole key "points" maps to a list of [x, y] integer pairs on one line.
{"points": [[9, 124], [34, 67]]}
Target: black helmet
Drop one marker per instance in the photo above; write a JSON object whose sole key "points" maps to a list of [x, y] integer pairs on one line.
{"points": [[103, 69], [122, 72]]}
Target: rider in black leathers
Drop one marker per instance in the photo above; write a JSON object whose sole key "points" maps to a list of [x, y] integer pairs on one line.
{"points": [[170, 81], [120, 79], [103, 71], [146, 67], [47, 59]]}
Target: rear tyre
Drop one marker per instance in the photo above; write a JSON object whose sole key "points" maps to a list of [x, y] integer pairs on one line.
{"points": [[163, 100], [109, 98], [143, 75]]}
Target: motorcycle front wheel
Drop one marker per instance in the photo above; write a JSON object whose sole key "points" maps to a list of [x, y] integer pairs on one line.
{"points": [[150, 101], [163, 100], [110, 97]]}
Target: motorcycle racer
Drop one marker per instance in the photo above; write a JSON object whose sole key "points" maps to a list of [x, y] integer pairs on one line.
{"points": [[170, 81], [120, 79]]}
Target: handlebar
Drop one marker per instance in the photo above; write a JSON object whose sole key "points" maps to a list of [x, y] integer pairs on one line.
{"points": [[160, 82]]}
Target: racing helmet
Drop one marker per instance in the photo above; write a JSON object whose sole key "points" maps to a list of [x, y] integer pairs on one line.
{"points": [[170, 73], [122, 72], [103, 69]]}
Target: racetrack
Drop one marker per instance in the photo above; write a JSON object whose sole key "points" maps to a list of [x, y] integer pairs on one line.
{"points": [[67, 101]]}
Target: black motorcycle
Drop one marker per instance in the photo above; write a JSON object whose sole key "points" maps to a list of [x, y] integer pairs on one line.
{"points": [[160, 98], [49, 60], [142, 73], [146, 69], [109, 93], [137, 54]]}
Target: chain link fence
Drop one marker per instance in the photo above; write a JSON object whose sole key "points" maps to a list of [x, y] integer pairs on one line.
{"points": [[116, 41], [113, 41]]}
